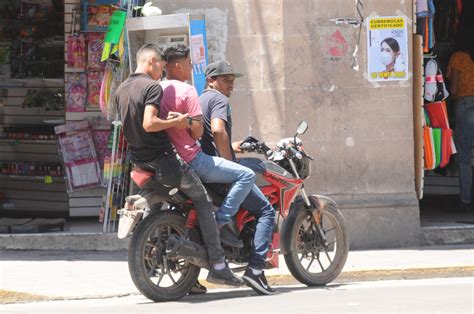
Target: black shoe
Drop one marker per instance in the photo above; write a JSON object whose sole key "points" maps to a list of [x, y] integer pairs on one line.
{"points": [[224, 277], [197, 289], [229, 237], [258, 282]]}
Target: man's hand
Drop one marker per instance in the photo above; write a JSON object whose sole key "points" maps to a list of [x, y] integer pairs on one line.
{"points": [[180, 119], [236, 147]]}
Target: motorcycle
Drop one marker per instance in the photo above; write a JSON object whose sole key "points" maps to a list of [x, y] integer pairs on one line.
{"points": [[166, 253]]}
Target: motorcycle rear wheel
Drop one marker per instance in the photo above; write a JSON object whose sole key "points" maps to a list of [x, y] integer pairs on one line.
{"points": [[154, 275], [311, 261]]}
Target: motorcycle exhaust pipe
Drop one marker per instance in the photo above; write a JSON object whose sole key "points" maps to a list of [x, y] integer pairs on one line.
{"points": [[180, 248]]}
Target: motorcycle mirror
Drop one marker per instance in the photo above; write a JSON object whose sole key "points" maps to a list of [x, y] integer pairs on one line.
{"points": [[302, 128]]}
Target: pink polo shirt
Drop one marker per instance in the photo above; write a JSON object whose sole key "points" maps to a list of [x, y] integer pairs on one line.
{"points": [[183, 98]]}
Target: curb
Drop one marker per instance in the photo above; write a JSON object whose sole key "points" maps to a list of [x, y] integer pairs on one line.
{"points": [[10, 297]]}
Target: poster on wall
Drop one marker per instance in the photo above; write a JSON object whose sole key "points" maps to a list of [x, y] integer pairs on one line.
{"points": [[387, 48]]}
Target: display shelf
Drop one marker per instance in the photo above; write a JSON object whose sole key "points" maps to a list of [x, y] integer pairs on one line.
{"points": [[31, 178], [26, 141]]}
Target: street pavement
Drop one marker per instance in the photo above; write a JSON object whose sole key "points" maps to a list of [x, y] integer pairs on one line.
{"points": [[99, 274], [446, 295]]}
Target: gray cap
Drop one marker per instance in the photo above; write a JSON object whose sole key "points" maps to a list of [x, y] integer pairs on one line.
{"points": [[222, 67]]}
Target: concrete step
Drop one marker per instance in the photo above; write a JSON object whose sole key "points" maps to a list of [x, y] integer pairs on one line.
{"points": [[446, 235]]}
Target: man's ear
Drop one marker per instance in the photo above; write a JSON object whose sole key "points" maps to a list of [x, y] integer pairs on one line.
{"points": [[210, 82]]}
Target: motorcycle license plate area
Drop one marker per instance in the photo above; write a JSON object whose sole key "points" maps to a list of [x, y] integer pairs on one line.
{"points": [[128, 220]]}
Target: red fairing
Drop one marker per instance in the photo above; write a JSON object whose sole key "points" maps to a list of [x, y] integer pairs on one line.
{"points": [[242, 217], [282, 192]]}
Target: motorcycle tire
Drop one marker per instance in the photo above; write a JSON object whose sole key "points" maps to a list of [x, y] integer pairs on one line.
{"points": [[340, 247], [141, 249]]}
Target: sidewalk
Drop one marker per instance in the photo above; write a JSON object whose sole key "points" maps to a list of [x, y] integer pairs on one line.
{"points": [[99, 274]]}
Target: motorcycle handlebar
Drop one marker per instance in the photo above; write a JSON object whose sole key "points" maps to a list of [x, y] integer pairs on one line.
{"points": [[294, 152]]}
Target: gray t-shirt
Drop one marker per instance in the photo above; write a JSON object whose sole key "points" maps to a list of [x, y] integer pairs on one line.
{"points": [[215, 105]]}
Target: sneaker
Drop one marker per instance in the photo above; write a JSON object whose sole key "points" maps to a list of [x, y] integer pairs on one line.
{"points": [[198, 288], [258, 282], [224, 277]]}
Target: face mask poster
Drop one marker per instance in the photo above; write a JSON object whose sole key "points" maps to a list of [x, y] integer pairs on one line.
{"points": [[387, 51]]}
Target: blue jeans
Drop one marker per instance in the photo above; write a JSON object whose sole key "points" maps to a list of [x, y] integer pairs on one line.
{"points": [[211, 169], [464, 136], [256, 204]]}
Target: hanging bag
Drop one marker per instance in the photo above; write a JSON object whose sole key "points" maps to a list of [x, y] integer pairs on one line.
{"points": [[76, 47]]}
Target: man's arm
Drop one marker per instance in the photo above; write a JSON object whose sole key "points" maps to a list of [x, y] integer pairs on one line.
{"points": [[196, 129], [221, 138], [152, 122]]}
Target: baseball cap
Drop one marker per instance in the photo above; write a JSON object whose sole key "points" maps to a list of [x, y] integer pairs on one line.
{"points": [[222, 67]]}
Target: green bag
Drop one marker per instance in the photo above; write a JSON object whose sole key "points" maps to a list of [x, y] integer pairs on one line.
{"points": [[437, 145]]}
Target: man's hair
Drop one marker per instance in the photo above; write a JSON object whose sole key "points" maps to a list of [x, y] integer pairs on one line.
{"points": [[175, 51], [146, 49]]}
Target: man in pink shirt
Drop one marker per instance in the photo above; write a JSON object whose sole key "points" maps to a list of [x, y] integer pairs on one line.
{"points": [[181, 98]]}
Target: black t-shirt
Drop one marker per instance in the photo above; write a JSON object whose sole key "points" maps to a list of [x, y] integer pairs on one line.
{"points": [[136, 92], [215, 105]]}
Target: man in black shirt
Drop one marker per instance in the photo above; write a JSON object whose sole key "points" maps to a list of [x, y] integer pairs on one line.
{"points": [[217, 141], [138, 99]]}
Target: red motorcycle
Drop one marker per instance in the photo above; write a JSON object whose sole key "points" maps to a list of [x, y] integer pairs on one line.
{"points": [[165, 253]]}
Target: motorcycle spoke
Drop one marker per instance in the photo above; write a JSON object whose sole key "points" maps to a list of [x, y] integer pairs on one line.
{"points": [[329, 257], [302, 257], [321, 265], [310, 263], [327, 231], [160, 279], [331, 243], [171, 277]]}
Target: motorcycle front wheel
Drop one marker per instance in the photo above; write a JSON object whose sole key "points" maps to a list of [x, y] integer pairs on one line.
{"points": [[315, 260], [155, 276]]}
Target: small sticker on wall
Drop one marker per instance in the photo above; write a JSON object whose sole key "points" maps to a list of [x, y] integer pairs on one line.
{"points": [[198, 53]]}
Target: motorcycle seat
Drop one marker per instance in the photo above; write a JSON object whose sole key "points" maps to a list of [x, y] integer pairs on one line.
{"points": [[141, 176]]}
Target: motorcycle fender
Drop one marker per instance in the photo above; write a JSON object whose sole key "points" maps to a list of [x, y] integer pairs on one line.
{"points": [[317, 202], [130, 215]]}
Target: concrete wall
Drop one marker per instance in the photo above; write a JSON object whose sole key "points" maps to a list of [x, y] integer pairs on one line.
{"points": [[360, 133]]}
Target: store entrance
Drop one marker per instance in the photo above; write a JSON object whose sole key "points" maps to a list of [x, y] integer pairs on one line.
{"points": [[440, 205]]}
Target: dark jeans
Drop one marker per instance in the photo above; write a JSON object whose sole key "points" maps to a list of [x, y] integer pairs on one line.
{"points": [[192, 186], [464, 136]]}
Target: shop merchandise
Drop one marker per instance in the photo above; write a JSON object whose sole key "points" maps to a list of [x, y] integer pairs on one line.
{"points": [[101, 131], [94, 79], [76, 52], [44, 98], [425, 13], [96, 15], [27, 168], [95, 44], [105, 89], [81, 164], [27, 132], [34, 31], [438, 137], [76, 92], [435, 88]]}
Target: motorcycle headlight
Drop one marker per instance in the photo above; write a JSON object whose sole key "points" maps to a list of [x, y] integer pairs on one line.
{"points": [[304, 167]]}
